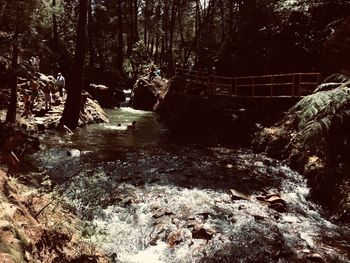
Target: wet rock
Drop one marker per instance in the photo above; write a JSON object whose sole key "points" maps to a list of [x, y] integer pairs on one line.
{"points": [[186, 112], [315, 257], [106, 96], [205, 215], [281, 208], [260, 198], [145, 94], [235, 195], [154, 180], [40, 126], [275, 199], [177, 236], [193, 223], [139, 182], [73, 153], [127, 202], [162, 212], [203, 233], [124, 179]]}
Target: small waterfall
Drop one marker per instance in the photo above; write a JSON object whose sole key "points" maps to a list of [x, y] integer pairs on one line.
{"points": [[127, 98]]}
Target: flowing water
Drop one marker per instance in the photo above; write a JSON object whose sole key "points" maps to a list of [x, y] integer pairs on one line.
{"points": [[146, 198]]}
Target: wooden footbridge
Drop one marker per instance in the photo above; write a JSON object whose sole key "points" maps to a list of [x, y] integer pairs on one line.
{"points": [[293, 85]]}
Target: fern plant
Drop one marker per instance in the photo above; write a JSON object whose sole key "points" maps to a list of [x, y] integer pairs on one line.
{"points": [[312, 116]]}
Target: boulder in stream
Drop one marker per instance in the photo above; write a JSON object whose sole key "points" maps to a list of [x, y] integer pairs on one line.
{"points": [[106, 96], [145, 94]]}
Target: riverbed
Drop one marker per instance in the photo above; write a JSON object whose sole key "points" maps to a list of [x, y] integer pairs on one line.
{"points": [[146, 197]]}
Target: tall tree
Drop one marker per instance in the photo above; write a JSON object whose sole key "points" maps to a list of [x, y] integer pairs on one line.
{"points": [[71, 112], [12, 110], [54, 26], [91, 35], [120, 50], [16, 18]]}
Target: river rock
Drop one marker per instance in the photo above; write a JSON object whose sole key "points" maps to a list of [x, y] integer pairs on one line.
{"points": [[281, 208], [274, 200], [177, 236], [203, 233], [162, 212], [315, 257], [235, 195], [184, 111], [73, 153], [106, 96], [260, 198], [145, 94]]}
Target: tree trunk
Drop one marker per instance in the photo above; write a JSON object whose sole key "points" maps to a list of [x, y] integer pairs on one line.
{"points": [[151, 49], [165, 24], [135, 20], [171, 35], [54, 26], [130, 27], [158, 18], [145, 23], [71, 112], [120, 55], [12, 110], [156, 56], [91, 36], [182, 34]]}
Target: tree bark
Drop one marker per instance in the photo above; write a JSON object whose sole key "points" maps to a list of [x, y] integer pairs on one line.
{"points": [[12, 110], [158, 18], [71, 112], [145, 23], [130, 27], [171, 34], [55, 38], [120, 55], [91, 36], [135, 20]]}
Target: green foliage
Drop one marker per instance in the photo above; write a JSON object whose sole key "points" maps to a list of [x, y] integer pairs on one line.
{"points": [[17, 13], [138, 62], [314, 115]]}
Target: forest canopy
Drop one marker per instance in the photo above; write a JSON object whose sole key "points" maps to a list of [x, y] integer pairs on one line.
{"points": [[125, 36]]}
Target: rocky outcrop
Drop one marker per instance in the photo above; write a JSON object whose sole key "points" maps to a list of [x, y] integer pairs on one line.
{"points": [[186, 109], [145, 94], [314, 137], [106, 96]]}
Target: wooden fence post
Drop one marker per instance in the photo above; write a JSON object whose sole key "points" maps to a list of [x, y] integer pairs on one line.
{"points": [[271, 87], [236, 90]]}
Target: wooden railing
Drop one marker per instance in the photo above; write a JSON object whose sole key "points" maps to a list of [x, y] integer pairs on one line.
{"points": [[280, 85]]}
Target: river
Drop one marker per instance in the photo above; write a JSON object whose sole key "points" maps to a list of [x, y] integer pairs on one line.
{"points": [[145, 197]]}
